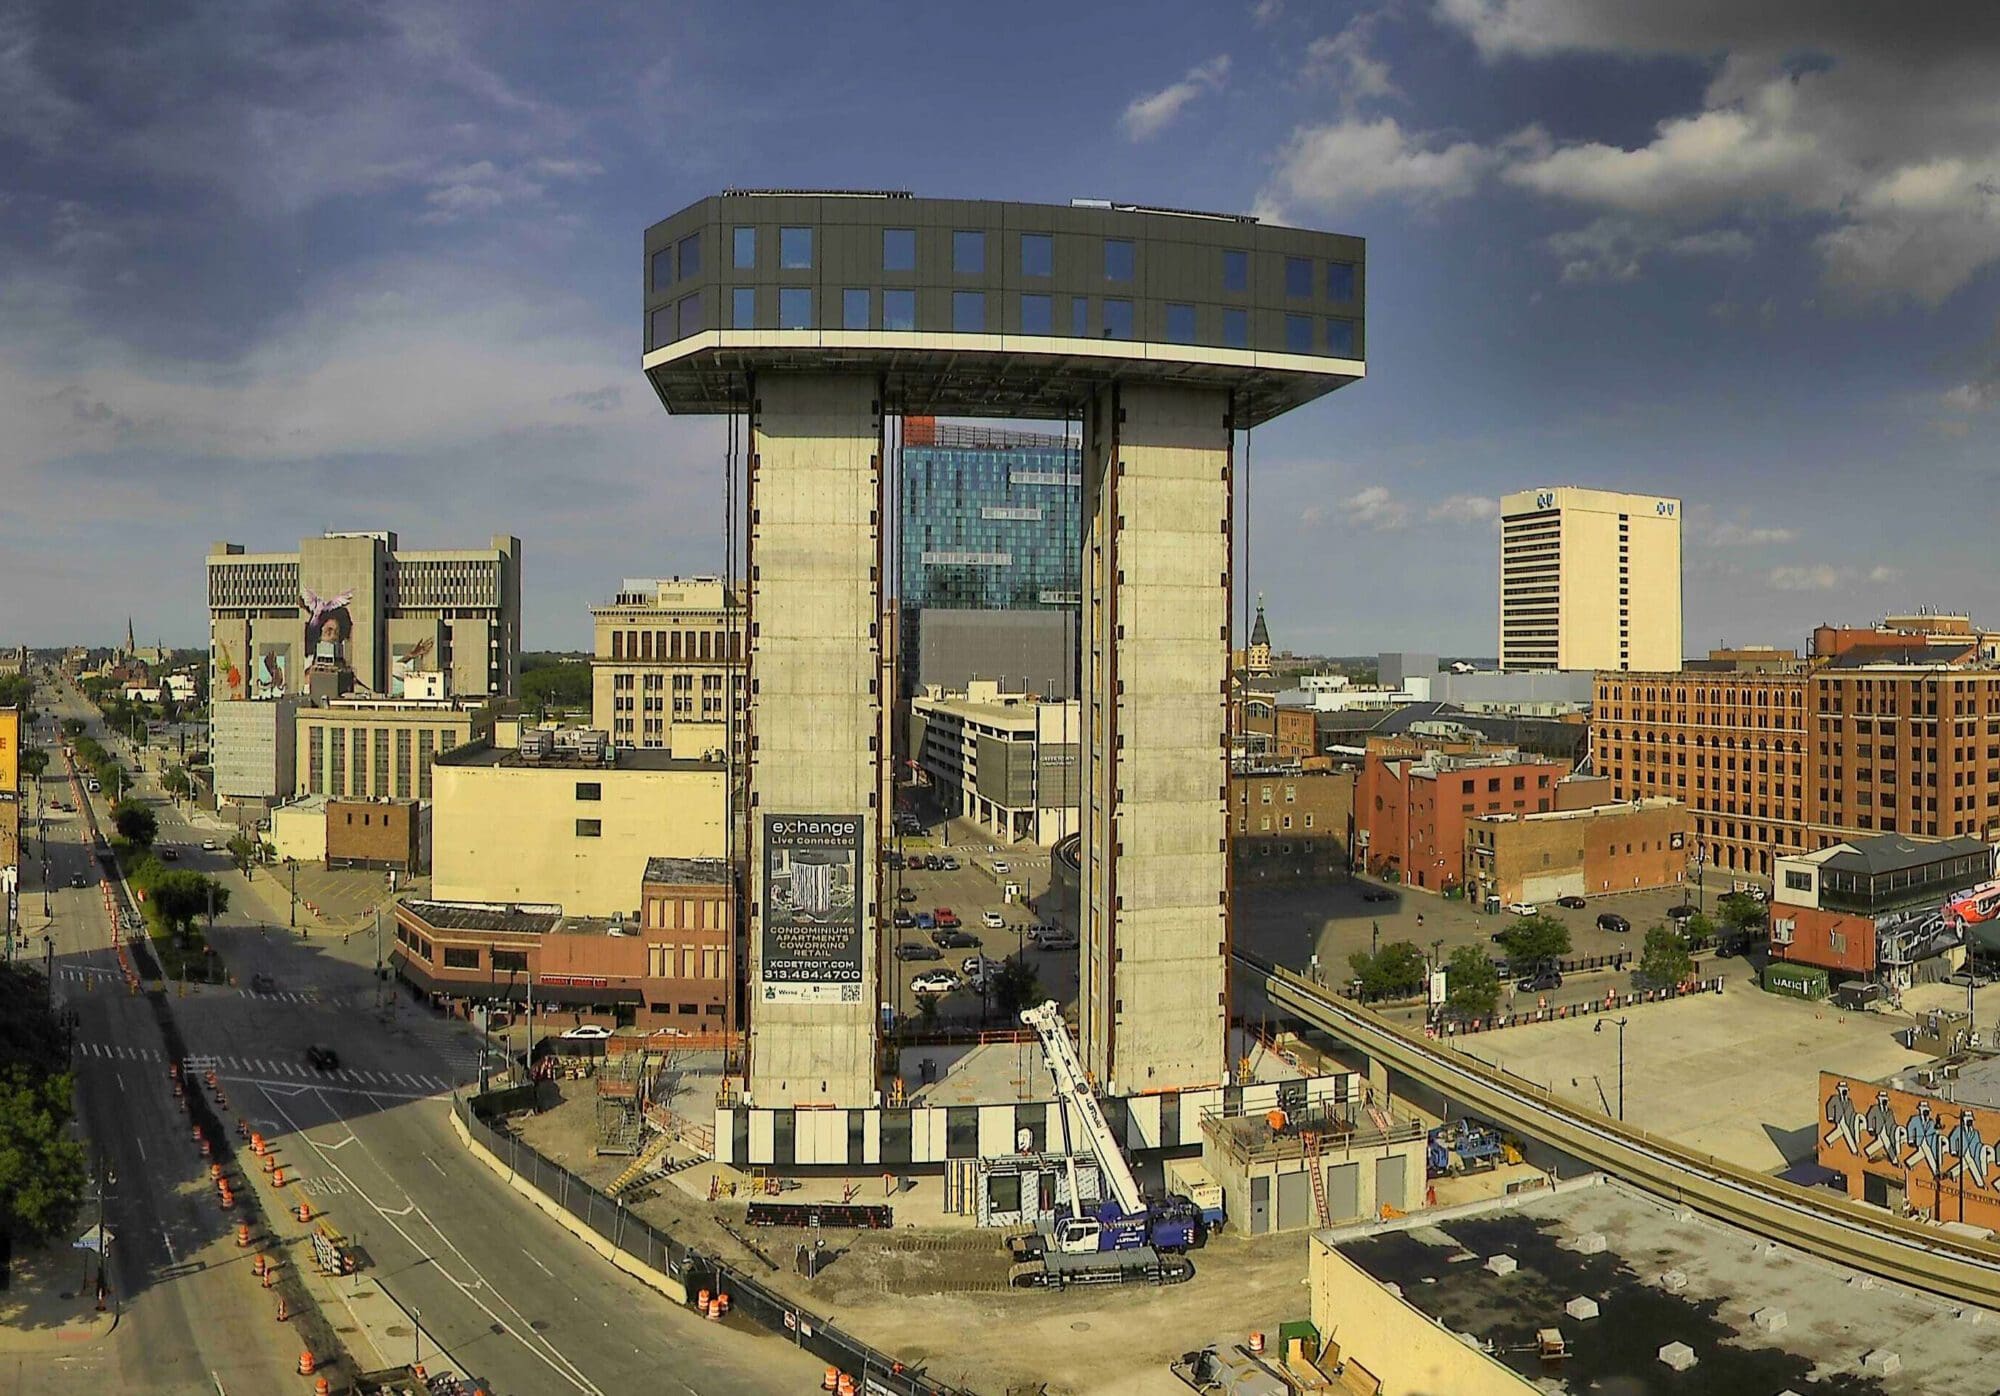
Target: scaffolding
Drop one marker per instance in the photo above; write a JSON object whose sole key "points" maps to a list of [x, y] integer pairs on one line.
{"points": [[620, 1103]]}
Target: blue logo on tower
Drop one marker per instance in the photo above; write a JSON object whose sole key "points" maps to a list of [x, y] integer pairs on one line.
{"points": [[1665, 508], [1544, 499]]}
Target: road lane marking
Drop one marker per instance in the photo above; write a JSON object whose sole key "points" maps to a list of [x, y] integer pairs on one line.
{"points": [[142, 1145], [538, 1264]]}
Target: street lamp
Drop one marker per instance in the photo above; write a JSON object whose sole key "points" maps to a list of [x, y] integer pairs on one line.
{"points": [[1599, 1027], [292, 865]]}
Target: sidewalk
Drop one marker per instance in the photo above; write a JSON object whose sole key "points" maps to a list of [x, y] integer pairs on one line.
{"points": [[49, 1306]]}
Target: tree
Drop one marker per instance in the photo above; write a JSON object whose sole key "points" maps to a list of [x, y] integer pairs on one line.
{"points": [[242, 851], [1699, 930], [1740, 911], [175, 782], [1664, 960], [1394, 971], [1472, 985], [565, 684], [136, 823], [41, 1167], [72, 727], [34, 761], [1018, 985], [1533, 939], [178, 897]]}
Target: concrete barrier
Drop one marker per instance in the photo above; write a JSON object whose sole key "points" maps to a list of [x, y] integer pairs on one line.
{"points": [[1812, 1219], [644, 1274]]}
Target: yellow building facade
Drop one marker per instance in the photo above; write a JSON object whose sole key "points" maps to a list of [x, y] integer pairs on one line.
{"points": [[565, 832], [1589, 579], [667, 654]]}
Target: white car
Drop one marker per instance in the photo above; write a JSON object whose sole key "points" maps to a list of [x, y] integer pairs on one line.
{"points": [[1001, 867], [937, 981], [1524, 908], [992, 921], [208, 845], [589, 1032]]}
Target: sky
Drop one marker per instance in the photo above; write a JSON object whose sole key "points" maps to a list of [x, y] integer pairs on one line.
{"points": [[272, 267]]}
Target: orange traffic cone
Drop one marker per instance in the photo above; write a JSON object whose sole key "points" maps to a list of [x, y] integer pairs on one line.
{"points": [[278, 1176], [305, 1211], [305, 1362], [243, 1235], [269, 1278], [284, 1310]]}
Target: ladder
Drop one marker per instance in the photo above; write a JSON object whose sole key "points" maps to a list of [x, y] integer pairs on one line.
{"points": [[654, 1157], [1311, 1138]]}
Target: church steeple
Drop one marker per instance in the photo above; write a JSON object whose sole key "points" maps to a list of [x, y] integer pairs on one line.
{"points": [[1258, 660], [131, 645], [1260, 634]]}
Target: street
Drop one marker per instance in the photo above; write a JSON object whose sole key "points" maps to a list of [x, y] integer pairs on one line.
{"points": [[497, 1286]]}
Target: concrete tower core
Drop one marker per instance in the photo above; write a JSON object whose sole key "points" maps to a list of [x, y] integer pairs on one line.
{"points": [[1164, 333]]}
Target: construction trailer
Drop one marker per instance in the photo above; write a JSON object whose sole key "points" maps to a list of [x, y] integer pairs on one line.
{"points": [[1321, 1163]]}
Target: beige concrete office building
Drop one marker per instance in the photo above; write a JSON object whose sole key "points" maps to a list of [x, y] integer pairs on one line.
{"points": [[354, 613], [568, 832], [667, 654], [1590, 579], [1004, 759], [358, 748]]}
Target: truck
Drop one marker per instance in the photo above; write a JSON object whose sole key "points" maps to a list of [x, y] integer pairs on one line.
{"points": [[1126, 1237]]}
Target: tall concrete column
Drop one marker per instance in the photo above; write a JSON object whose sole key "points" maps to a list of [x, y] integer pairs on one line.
{"points": [[815, 671], [1156, 583]]}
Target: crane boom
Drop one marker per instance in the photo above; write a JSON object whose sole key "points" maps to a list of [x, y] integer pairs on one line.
{"points": [[1073, 1091]]}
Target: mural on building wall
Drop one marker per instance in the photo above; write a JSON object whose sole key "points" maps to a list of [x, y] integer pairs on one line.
{"points": [[1975, 906], [274, 671], [408, 660], [228, 676], [1899, 1134], [328, 625]]}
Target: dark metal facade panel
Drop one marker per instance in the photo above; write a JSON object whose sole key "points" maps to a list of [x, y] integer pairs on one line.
{"points": [[1176, 261]]}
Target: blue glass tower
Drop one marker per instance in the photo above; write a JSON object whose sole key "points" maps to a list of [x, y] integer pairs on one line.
{"points": [[989, 519]]}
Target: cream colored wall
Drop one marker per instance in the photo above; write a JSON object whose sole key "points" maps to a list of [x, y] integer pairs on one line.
{"points": [[1410, 1354], [299, 831], [1655, 611], [508, 833], [1587, 637]]}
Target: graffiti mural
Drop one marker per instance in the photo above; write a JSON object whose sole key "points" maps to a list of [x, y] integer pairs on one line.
{"points": [[228, 676], [1938, 1151], [328, 625], [274, 670], [408, 660]]}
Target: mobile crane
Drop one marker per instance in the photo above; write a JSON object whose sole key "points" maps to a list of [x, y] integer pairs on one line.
{"points": [[1127, 1238]]}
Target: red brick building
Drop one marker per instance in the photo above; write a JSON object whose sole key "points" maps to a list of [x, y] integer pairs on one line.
{"points": [[676, 968], [1867, 905], [373, 834], [1412, 811], [1591, 852]]}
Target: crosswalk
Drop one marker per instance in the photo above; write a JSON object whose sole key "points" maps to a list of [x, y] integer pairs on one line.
{"points": [[79, 973], [459, 1052], [283, 995], [278, 1069]]}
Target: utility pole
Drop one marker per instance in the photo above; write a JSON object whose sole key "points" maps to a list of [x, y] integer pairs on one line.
{"points": [[378, 959], [1599, 1027], [293, 865]]}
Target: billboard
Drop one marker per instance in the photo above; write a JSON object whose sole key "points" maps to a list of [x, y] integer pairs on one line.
{"points": [[810, 945], [10, 751], [274, 671]]}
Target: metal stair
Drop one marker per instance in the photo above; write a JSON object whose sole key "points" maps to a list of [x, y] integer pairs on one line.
{"points": [[652, 1158]]}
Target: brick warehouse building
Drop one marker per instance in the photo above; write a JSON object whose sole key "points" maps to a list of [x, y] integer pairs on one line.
{"points": [[1413, 811], [1773, 764], [1590, 852], [1292, 824]]}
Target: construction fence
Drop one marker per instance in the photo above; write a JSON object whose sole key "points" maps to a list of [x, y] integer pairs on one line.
{"points": [[694, 1272]]}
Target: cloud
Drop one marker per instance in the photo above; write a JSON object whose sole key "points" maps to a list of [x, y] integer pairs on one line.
{"points": [[1344, 163], [1464, 509], [1344, 62], [1736, 535], [1814, 577], [1266, 12], [1377, 509], [1149, 115], [1872, 126], [1884, 573]]}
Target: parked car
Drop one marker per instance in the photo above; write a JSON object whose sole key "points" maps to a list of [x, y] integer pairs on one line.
{"points": [[947, 863], [894, 860], [322, 1058], [1547, 977], [906, 894], [1613, 922], [925, 921], [992, 920], [1524, 908], [1052, 938], [1571, 903], [1378, 894], [938, 981], [170, 855], [1683, 912], [588, 1032], [917, 950], [952, 939], [945, 916], [904, 920]]}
